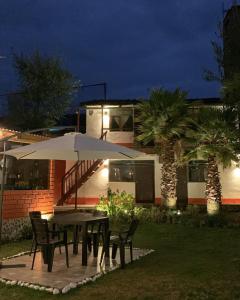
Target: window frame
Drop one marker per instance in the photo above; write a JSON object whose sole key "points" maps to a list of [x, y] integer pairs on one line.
{"points": [[202, 177]]}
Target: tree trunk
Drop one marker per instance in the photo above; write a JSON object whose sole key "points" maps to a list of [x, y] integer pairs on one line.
{"points": [[213, 187], [169, 175]]}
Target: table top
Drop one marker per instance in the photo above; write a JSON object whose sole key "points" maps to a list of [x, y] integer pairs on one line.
{"points": [[77, 218]]}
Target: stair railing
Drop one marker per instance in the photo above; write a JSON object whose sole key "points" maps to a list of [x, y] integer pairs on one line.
{"points": [[78, 174]]}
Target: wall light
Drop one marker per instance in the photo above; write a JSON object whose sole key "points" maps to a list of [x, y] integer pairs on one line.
{"points": [[46, 216], [106, 163], [105, 172], [236, 171], [106, 118]]}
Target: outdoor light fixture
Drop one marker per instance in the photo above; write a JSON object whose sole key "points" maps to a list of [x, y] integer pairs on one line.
{"points": [[105, 172], [46, 216], [236, 171], [106, 163], [106, 118]]}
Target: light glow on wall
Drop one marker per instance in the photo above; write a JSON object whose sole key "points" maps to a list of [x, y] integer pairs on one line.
{"points": [[46, 216], [236, 171], [105, 172], [106, 118], [106, 163]]}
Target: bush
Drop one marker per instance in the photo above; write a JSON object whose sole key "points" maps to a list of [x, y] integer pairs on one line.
{"points": [[26, 232], [116, 203]]}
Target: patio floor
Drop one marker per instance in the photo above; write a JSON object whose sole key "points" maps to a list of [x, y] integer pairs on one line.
{"points": [[61, 278]]}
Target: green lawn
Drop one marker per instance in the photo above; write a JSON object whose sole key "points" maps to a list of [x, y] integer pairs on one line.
{"points": [[189, 263]]}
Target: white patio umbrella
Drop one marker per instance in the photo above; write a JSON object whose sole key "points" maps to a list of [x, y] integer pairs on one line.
{"points": [[73, 146]]}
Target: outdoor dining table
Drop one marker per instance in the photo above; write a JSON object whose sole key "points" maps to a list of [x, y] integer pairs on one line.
{"points": [[84, 220]]}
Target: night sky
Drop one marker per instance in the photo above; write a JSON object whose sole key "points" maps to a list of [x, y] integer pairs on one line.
{"points": [[133, 45]]}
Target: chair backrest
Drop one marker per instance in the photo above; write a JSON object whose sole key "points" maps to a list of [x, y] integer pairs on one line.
{"points": [[132, 228], [35, 214], [40, 230]]}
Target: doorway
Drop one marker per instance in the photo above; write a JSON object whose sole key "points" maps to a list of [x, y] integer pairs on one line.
{"points": [[144, 181]]}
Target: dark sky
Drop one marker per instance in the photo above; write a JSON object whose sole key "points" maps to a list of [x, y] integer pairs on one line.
{"points": [[133, 45]]}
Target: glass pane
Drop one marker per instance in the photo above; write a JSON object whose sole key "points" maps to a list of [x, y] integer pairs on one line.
{"points": [[121, 119], [121, 171], [25, 174], [197, 171]]}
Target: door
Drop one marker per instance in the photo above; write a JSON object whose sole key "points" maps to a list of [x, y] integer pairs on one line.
{"points": [[144, 181], [182, 188]]}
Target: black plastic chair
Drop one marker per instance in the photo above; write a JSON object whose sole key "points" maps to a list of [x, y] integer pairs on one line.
{"points": [[48, 240], [95, 234], [121, 239], [34, 215]]}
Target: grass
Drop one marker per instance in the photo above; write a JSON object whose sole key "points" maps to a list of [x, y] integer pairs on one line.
{"points": [[189, 263]]}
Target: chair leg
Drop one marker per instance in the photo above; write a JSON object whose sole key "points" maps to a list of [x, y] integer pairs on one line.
{"points": [[95, 244], [32, 246], [34, 255], [59, 237], [131, 251], [103, 251], [122, 255], [114, 250], [66, 251], [89, 243], [50, 254]]}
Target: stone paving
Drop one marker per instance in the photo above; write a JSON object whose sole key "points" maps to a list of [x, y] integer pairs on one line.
{"points": [[61, 277]]}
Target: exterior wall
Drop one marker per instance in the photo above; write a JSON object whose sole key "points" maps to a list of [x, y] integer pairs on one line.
{"points": [[230, 180], [98, 184], [17, 203], [94, 122]]}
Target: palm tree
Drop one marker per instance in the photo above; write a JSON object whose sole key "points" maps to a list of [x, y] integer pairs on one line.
{"points": [[214, 140], [163, 119]]}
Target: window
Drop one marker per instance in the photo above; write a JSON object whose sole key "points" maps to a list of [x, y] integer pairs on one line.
{"points": [[26, 174], [121, 119], [121, 170], [197, 171]]}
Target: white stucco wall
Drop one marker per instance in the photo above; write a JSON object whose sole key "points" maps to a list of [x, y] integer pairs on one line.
{"points": [[98, 183], [94, 122], [230, 180]]}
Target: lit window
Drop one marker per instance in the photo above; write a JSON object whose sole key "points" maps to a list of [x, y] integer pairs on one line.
{"points": [[121, 119]]}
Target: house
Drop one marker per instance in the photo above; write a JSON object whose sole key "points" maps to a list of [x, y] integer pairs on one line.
{"points": [[48, 185], [115, 120]]}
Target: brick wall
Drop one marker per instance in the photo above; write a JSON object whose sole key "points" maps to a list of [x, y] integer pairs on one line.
{"points": [[17, 203]]}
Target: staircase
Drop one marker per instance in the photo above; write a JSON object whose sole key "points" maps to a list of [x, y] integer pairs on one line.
{"points": [[75, 177]]}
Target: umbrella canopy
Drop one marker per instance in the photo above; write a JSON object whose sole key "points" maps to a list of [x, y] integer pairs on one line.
{"points": [[73, 146]]}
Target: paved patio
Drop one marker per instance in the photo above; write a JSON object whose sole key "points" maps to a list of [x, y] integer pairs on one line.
{"points": [[61, 279]]}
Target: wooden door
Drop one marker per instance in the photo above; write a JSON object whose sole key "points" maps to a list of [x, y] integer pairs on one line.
{"points": [[144, 181]]}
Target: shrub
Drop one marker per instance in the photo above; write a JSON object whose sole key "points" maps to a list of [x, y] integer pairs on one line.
{"points": [[26, 232], [116, 203]]}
